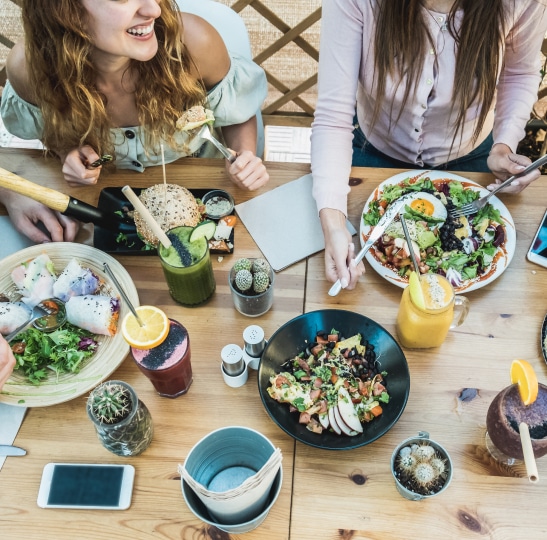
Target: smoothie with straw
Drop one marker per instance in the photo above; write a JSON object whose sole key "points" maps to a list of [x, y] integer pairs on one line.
{"points": [[187, 267]]}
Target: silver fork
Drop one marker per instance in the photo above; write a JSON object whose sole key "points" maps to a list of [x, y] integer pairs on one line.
{"points": [[475, 206], [205, 133], [38, 311]]}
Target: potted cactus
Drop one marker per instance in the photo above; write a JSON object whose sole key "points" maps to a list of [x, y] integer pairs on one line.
{"points": [[421, 467], [122, 421], [251, 282]]}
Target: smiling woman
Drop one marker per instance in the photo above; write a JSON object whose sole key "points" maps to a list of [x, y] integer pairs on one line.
{"points": [[112, 93]]}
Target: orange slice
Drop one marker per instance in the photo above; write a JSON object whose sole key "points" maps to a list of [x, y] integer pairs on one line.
{"points": [[154, 329], [523, 374]]}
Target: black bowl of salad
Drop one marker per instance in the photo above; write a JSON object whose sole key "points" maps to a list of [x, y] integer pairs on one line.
{"points": [[333, 379]]}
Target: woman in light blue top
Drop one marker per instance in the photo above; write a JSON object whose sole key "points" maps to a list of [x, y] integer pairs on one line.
{"points": [[113, 77]]}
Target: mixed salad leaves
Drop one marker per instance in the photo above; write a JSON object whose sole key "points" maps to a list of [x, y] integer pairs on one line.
{"points": [[334, 385], [62, 351], [461, 248]]}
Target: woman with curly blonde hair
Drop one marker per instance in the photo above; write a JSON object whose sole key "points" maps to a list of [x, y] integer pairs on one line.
{"points": [[97, 77]]}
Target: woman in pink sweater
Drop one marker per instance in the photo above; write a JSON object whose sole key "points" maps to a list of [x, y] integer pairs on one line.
{"points": [[420, 84]]}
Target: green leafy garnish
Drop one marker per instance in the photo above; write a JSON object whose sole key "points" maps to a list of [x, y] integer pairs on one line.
{"points": [[62, 351]]}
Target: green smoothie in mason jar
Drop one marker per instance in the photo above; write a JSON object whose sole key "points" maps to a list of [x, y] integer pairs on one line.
{"points": [[187, 267]]}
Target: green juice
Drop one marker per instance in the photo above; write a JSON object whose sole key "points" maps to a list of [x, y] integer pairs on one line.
{"points": [[187, 267]]}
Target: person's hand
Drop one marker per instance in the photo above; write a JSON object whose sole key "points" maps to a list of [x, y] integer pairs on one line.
{"points": [[247, 171], [26, 214], [339, 250], [7, 361], [504, 163], [75, 166]]}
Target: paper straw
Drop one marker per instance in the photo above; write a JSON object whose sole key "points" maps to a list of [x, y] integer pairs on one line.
{"points": [[147, 216], [528, 451]]}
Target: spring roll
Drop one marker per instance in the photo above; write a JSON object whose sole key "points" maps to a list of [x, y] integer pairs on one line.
{"points": [[34, 279], [75, 281], [12, 316], [95, 313]]}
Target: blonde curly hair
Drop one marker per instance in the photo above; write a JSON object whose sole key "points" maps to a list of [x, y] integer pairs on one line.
{"points": [[58, 52]]}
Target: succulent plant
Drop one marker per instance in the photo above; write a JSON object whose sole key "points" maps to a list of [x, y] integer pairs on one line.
{"points": [[244, 280], [251, 276], [260, 265], [261, 280], [110, 402], [243, 264], [421, 466]]}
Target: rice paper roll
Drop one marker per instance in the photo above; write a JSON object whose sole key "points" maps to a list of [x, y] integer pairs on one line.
{"points": [[95, 313], [12, 316], [75, 281], [34, 279]]}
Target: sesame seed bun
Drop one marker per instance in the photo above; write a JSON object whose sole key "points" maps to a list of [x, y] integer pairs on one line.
{"points": [[177, 207]]}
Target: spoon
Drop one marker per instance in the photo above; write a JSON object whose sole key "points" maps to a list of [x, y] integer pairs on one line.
{"points": [[114, 279], [51, 310]]}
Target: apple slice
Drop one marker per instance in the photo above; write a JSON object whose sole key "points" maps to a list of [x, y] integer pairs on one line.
{"points": [[332, 421], [346, 430], [324, 420], [347, 411]]}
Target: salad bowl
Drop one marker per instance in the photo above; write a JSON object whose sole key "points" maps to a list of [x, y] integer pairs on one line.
{"points": [[292, 338], [501, 258], [112, 350]]}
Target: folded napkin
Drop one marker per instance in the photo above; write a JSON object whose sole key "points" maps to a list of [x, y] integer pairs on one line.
{"points": [[264, 476], [284, 223], [11, 418]]}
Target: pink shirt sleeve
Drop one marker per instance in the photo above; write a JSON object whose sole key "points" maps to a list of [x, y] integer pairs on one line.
{"points": [[421, 135]]}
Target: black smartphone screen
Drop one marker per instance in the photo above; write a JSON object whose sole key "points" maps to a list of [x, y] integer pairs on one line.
{"points": [[539, 246], [82, 485]]}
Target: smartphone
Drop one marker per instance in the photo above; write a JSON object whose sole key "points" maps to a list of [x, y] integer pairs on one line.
{"points": [[86, 486], [538, 250]]}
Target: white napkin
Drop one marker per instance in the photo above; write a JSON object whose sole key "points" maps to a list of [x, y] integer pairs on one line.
{"points": [[284, 223], [11, 418]]}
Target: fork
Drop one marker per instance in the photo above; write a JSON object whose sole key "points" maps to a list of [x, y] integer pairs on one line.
{"points": [[475, 206], [205, 133], [38, 311]]}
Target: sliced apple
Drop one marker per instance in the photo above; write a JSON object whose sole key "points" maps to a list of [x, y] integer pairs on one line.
{"points": [[333, 423], [346, 430], [415, 290], [347, 411], [324, 420]]}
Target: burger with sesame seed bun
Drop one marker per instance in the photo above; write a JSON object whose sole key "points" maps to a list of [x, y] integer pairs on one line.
{"points": [[171, 206]]}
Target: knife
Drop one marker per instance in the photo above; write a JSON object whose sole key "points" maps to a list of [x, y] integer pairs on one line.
{"points": [[8, 450], [58, 201], [378, 230]]}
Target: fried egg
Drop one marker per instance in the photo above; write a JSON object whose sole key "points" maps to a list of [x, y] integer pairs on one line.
{"points": [[426, 204]]}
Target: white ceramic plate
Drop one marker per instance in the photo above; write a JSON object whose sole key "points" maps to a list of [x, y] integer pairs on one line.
{"points": [[111, 351], [506, 251]]}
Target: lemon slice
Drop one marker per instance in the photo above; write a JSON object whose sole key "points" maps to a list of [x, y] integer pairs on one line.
{"points": [[523, 374], [154, 329], [415, 290], [205, 229]]}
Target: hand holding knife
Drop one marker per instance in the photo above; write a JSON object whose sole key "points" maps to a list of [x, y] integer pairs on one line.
{"points": [[378, 230]]}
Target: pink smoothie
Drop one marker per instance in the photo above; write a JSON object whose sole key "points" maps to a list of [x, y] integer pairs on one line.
{"points": [[168, 365]]}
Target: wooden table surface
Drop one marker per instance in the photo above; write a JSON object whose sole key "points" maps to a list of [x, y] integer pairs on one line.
{"points": [[326, 494]]}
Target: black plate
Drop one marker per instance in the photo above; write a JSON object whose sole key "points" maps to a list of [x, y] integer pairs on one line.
{"points": [[542, 344], [289, 341], [124, 240]]}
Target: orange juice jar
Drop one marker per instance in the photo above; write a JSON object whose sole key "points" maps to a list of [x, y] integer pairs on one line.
{"points": [[423, 327]]}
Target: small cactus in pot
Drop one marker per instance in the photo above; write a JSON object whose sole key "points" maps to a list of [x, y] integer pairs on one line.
{"points": [[421, 467], [122, 421], [251, 283]]}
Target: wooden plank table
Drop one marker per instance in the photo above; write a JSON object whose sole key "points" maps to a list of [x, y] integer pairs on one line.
{"points": [[325, 494], [64, 433]]}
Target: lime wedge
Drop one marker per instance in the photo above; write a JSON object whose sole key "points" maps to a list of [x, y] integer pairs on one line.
{"points": [[415, 290], [205, 229]]}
